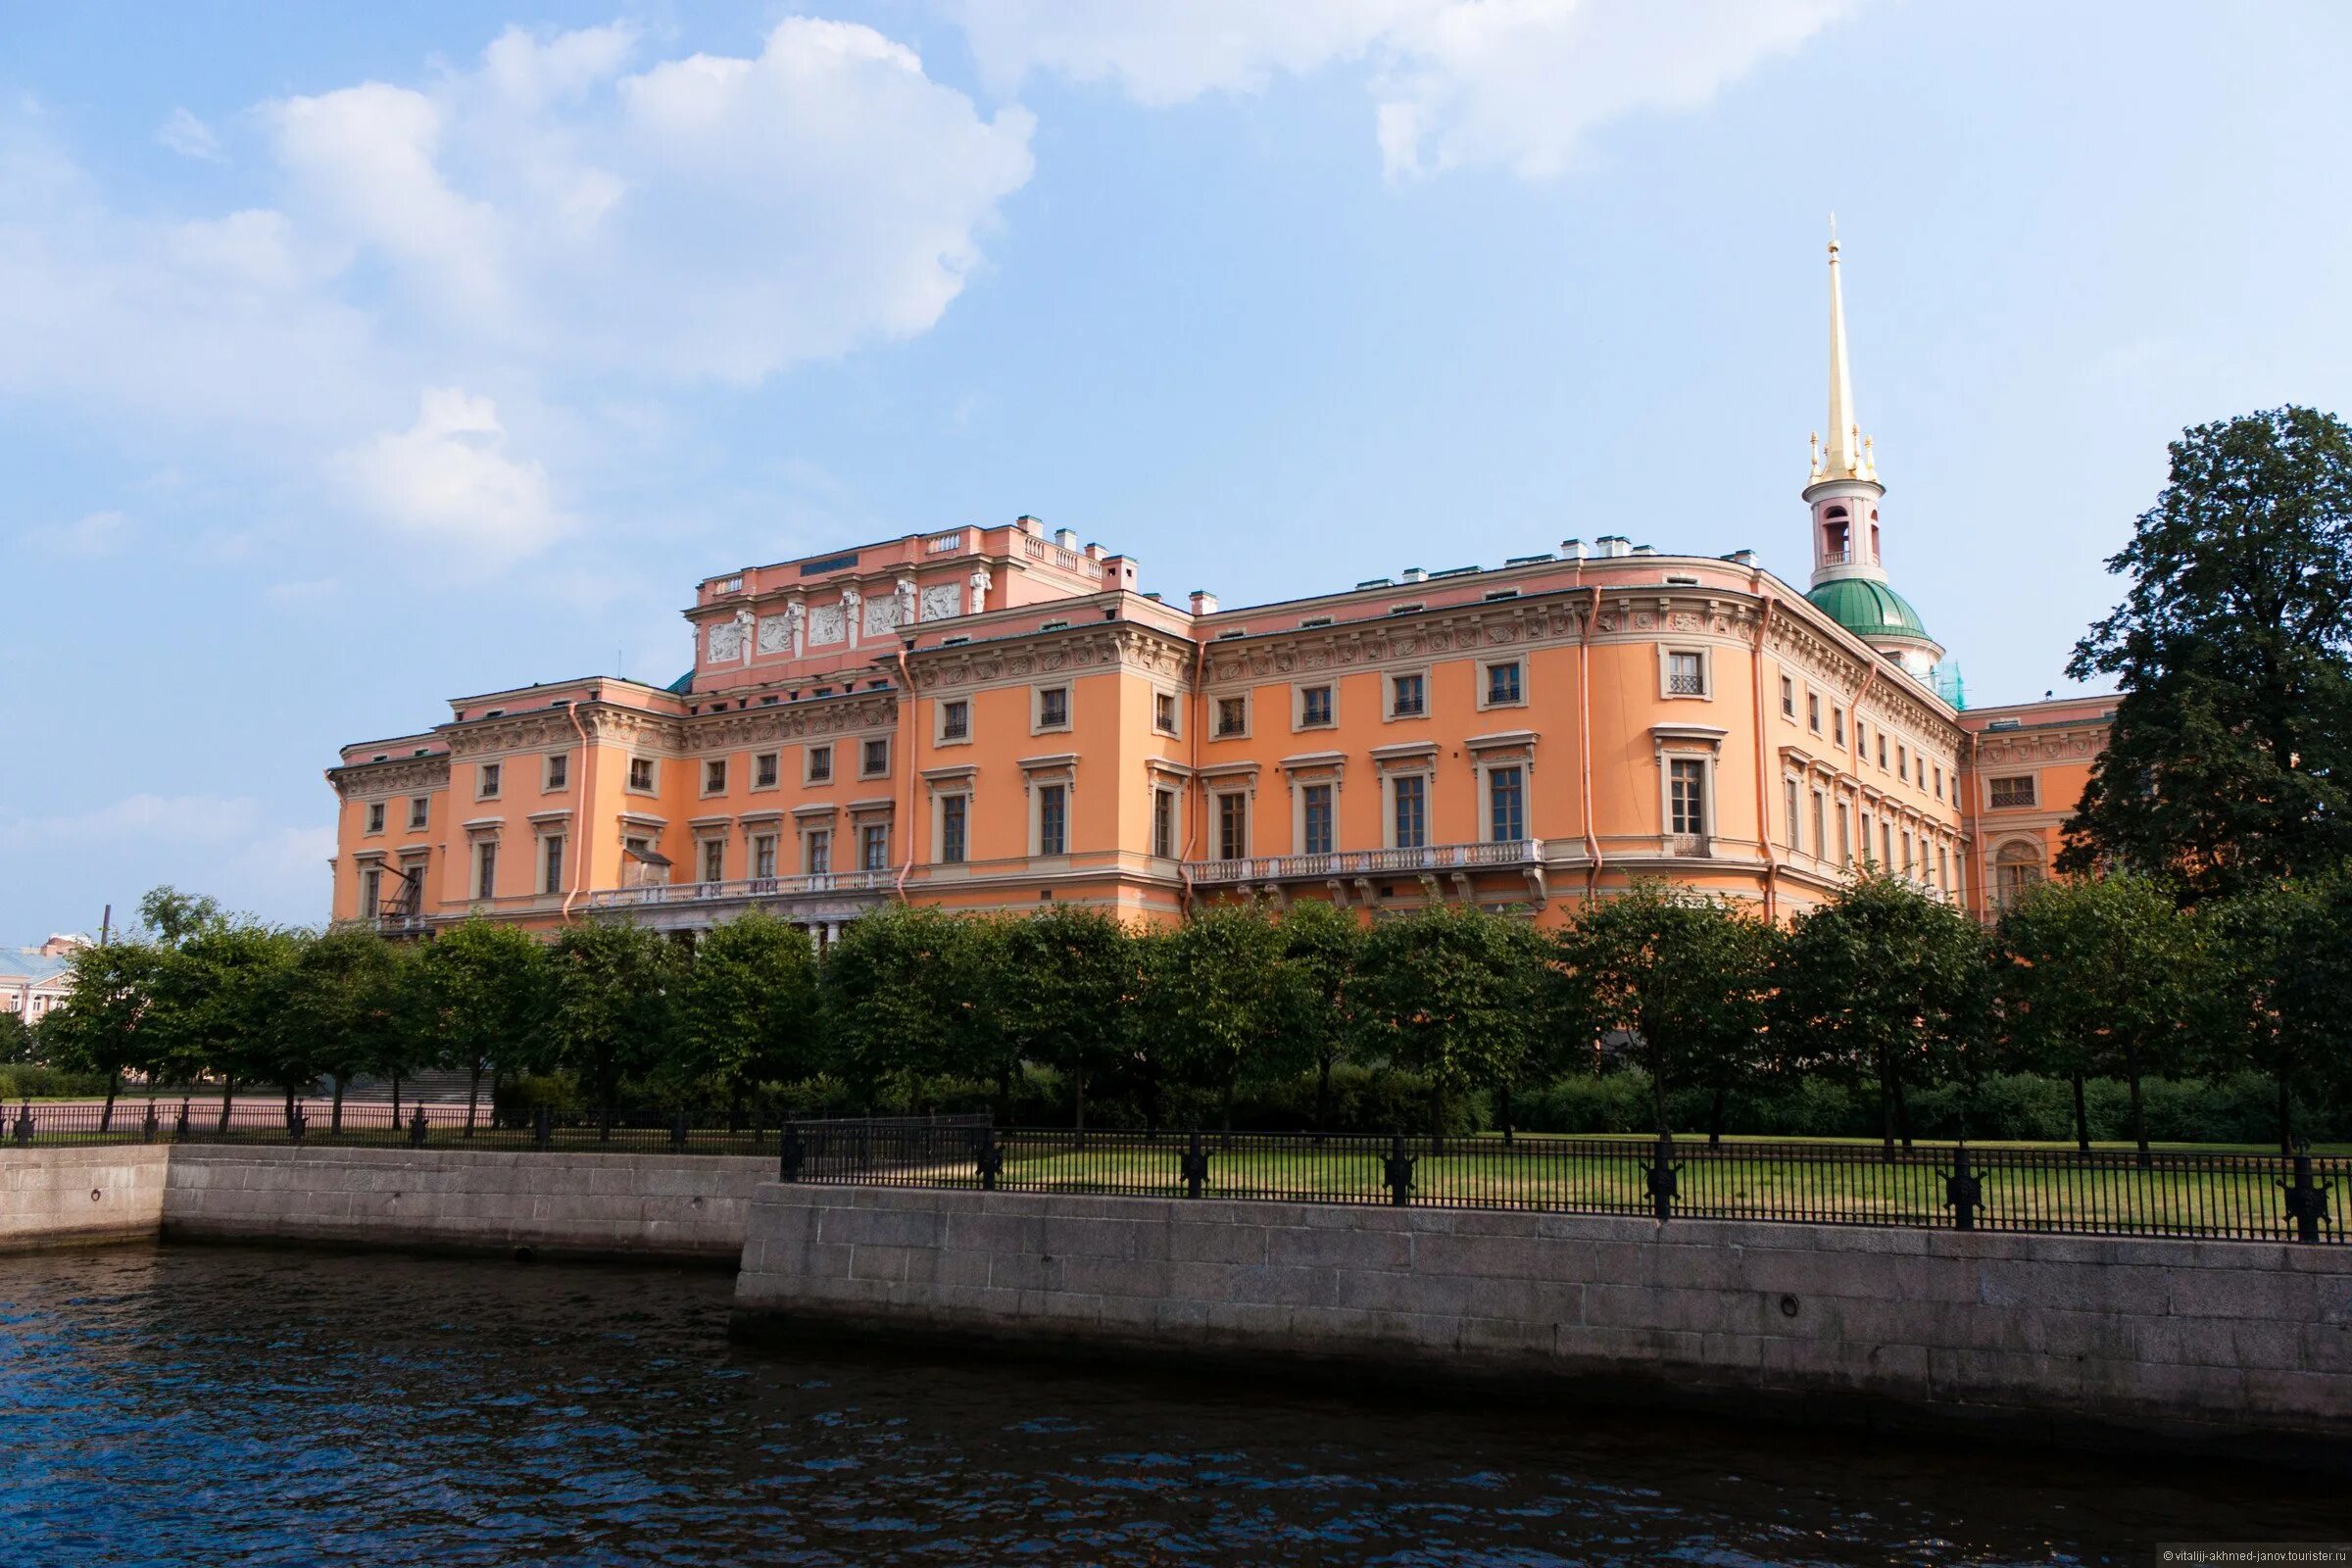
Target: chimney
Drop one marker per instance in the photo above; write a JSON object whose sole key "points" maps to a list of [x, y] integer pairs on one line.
{"points": [[1029, 525], [1412, 575], [1645, 550], [1572, 549], [1742, 557], [1067, 538], [1205, 603], [1093, 552]]}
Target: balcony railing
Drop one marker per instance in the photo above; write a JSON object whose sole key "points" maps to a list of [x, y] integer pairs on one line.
{"points": [[1369, 862], [815, 884]]}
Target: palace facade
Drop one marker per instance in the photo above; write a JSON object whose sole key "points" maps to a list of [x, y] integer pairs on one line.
{"points": [[1000, 718]]}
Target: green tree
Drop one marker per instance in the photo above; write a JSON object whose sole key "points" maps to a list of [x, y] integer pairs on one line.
{"points": [[1070, 978], [749, 1006], [225, 988], [1687, 976], [894, 989], [1223, 1003], [18, 1043], [2230, 758], [1452, 994], [349, 996], [1886, 987], [1322, 946], [616, 1009], [2283, 987], [2101, 975], [486, 999], [106, 1023], [172, 916]]}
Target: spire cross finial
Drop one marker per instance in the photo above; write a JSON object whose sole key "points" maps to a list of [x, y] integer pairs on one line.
{"points": [[1833, 233]]}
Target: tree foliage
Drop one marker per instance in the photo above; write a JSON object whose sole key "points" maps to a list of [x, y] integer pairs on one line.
{"points": [[747, 1006], [2231, 758], [1454, 994]]}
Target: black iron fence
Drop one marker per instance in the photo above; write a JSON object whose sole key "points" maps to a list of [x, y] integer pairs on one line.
{"points": [[438, 1125], [2187, 1194]]}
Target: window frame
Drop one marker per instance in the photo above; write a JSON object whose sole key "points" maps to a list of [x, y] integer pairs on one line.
{"points": [[377, 813], [941, 711], [1054, 794], [489, 780], [420, 812], [1489, 774], [809, 753], [1226, 806], [1423, 777], [1217, 730], [1039, 721], [1390, 713], [1668, 653], [653, 775], [714, 777], [1487, 699], [1992, 791], [555, 774], [868, 768], [1300, 690], [767, 770]]}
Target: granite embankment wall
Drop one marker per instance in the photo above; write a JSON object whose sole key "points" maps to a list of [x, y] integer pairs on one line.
{"points": [[2172, 1343], [66, 1196], [690, 1206]]}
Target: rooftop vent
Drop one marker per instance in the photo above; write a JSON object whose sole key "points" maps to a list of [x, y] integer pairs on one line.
{"points": [[1412, 575], [953, 642], [1067, 538], [1572, 549], [1205, 603], [1312, 621], [1681, 579], [1228, 636], [1376, 582], [1742, 557], [1457, 572], [1052, 625], [1529, 561], [1503, 593], [2006, 723], [1408, 610], [1645, 550]]}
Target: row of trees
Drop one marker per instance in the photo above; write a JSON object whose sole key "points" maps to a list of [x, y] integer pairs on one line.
{"points": [[1881, 990]]}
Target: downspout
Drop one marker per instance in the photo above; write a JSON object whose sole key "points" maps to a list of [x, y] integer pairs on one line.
{"points": [[581, 829], [1584, 735], [906, 765], [1183, 862], [1772, 863]]}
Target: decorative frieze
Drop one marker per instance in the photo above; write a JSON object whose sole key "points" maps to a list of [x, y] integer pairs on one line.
{"points": [[408, 775], [1111, 646], [738, 728]]}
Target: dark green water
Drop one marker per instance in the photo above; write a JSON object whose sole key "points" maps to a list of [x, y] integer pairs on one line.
{"points": [[206, 1406]]}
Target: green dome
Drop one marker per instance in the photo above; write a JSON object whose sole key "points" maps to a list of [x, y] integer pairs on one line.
{"points": [[1868, 608]]}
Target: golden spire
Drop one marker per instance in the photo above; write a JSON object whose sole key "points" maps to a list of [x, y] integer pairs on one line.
{"points": [[1846, 455]]}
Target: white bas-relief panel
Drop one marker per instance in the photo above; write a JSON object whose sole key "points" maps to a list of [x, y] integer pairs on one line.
{"points": [[943, 601], [725, 642], [775, 634], [827, 624], [881, 616]]}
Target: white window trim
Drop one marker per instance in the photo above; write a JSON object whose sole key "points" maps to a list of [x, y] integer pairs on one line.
{"points": [[1153, 793], [808, 778], [1427, 772], [883, 771], [1037, 784], [628, 783], [2033, 787], [549, 784], [1322, 778], [1673, 743], [1216, 707], [1036, 708], [420, 820], [959, 788], [1485, 768], [726, 771], [1707, 673], [808, 834], [1174, 699], [1298, 691], [939, 721], [1217, 794], [484, 789], [1388, 695], [776, 760], [375, 818], [1485, 680]]}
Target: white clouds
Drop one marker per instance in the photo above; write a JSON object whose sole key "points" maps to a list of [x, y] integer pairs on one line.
{"points": [[94, 534], [190, 137], [448, 479], [1517, 84], [230, 845]]}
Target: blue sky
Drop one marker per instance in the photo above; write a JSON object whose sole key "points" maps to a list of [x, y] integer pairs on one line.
{"points": [[352, 359]]}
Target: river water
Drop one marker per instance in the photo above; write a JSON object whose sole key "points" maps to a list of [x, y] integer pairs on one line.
{"points": [[226, 1405]]}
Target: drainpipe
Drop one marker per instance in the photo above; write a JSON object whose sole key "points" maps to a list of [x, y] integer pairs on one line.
{"points": [[1584, 736], [1184, 861], [907, 767], [1771, 864], [580, 827]]}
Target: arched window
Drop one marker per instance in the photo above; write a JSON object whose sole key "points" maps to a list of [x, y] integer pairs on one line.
{"points": [[1835, 532], [2016, 867]]}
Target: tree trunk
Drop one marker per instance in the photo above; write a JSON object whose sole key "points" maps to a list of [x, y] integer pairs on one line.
{"points": [[1887, 1115], [1902, 1115], [229, 1093], [1504, 1094], [396, 1098], [473, 1096], [1078, 1086], [2081, 1119], [1715, 1121], [1437, 1118], [337, 1124], [289, 1104], [105, 1119], [1004, 1094], [1226, 1140], [1323, 1093], [2140, 1110], [2286, 1117], [1657, 1094]]}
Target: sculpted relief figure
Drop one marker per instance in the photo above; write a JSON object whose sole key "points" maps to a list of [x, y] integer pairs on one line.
{"points": [[827, 624], [776, 633], [943, 601], [724, 642], [745, 622], [980, 585]]}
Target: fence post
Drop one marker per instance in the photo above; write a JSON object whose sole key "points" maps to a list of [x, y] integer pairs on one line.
{"points": [[1399, 1169], [147, 1127], [179, 1129], [677, 1133], [1663, 1179], [788, 1162], [296, 1124], [1193, 1164], [417, 1130], [25, 1124], [992, 1158], [2306, 1200], [1963, 1191], [543, 1128]]}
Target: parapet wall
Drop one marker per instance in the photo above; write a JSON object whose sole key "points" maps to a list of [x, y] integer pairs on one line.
{"points": [[690, 1206], [66, 1196], [2183, 1344]]}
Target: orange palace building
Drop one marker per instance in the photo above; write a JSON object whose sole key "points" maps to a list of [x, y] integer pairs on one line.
{"points": [[998, 719]]}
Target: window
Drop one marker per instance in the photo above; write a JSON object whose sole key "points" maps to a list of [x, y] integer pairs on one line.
{"points": [[638, 846], [1687, 797], [1886, 845], [2009, 791], [1232, 716], [640, 773], [375, 816], [419, 810], [1943, 865], [1821, 843], [1233, 825], [1163, 713], [1503, 686], [558, 773], [820, 764], [1787, 697], [1507, 805], [1053, 707], [1314, 820], [1813, 712], [1881, 748], [875, 760], [715, 860], [953, 811], [1838, 726], [1939, 781], [1685, 673], [764, 856], [763, 771], [714, 777], [1407, 695], [550, 864], [1053, 820], [1409, 801], [1845, 834], [2015, 870], [956, 721], [1795, 838], [1163, 823], [1902, 762], [873, 847], [1866, 835], [1314, 706], [485, 869], [485, 782], [371, 893], [816, 851]]}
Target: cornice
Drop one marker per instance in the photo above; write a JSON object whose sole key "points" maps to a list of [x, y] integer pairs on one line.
{"points": [[535, 731], [846, 715], [1110, 645], [404, 775], [2013, 750]]}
